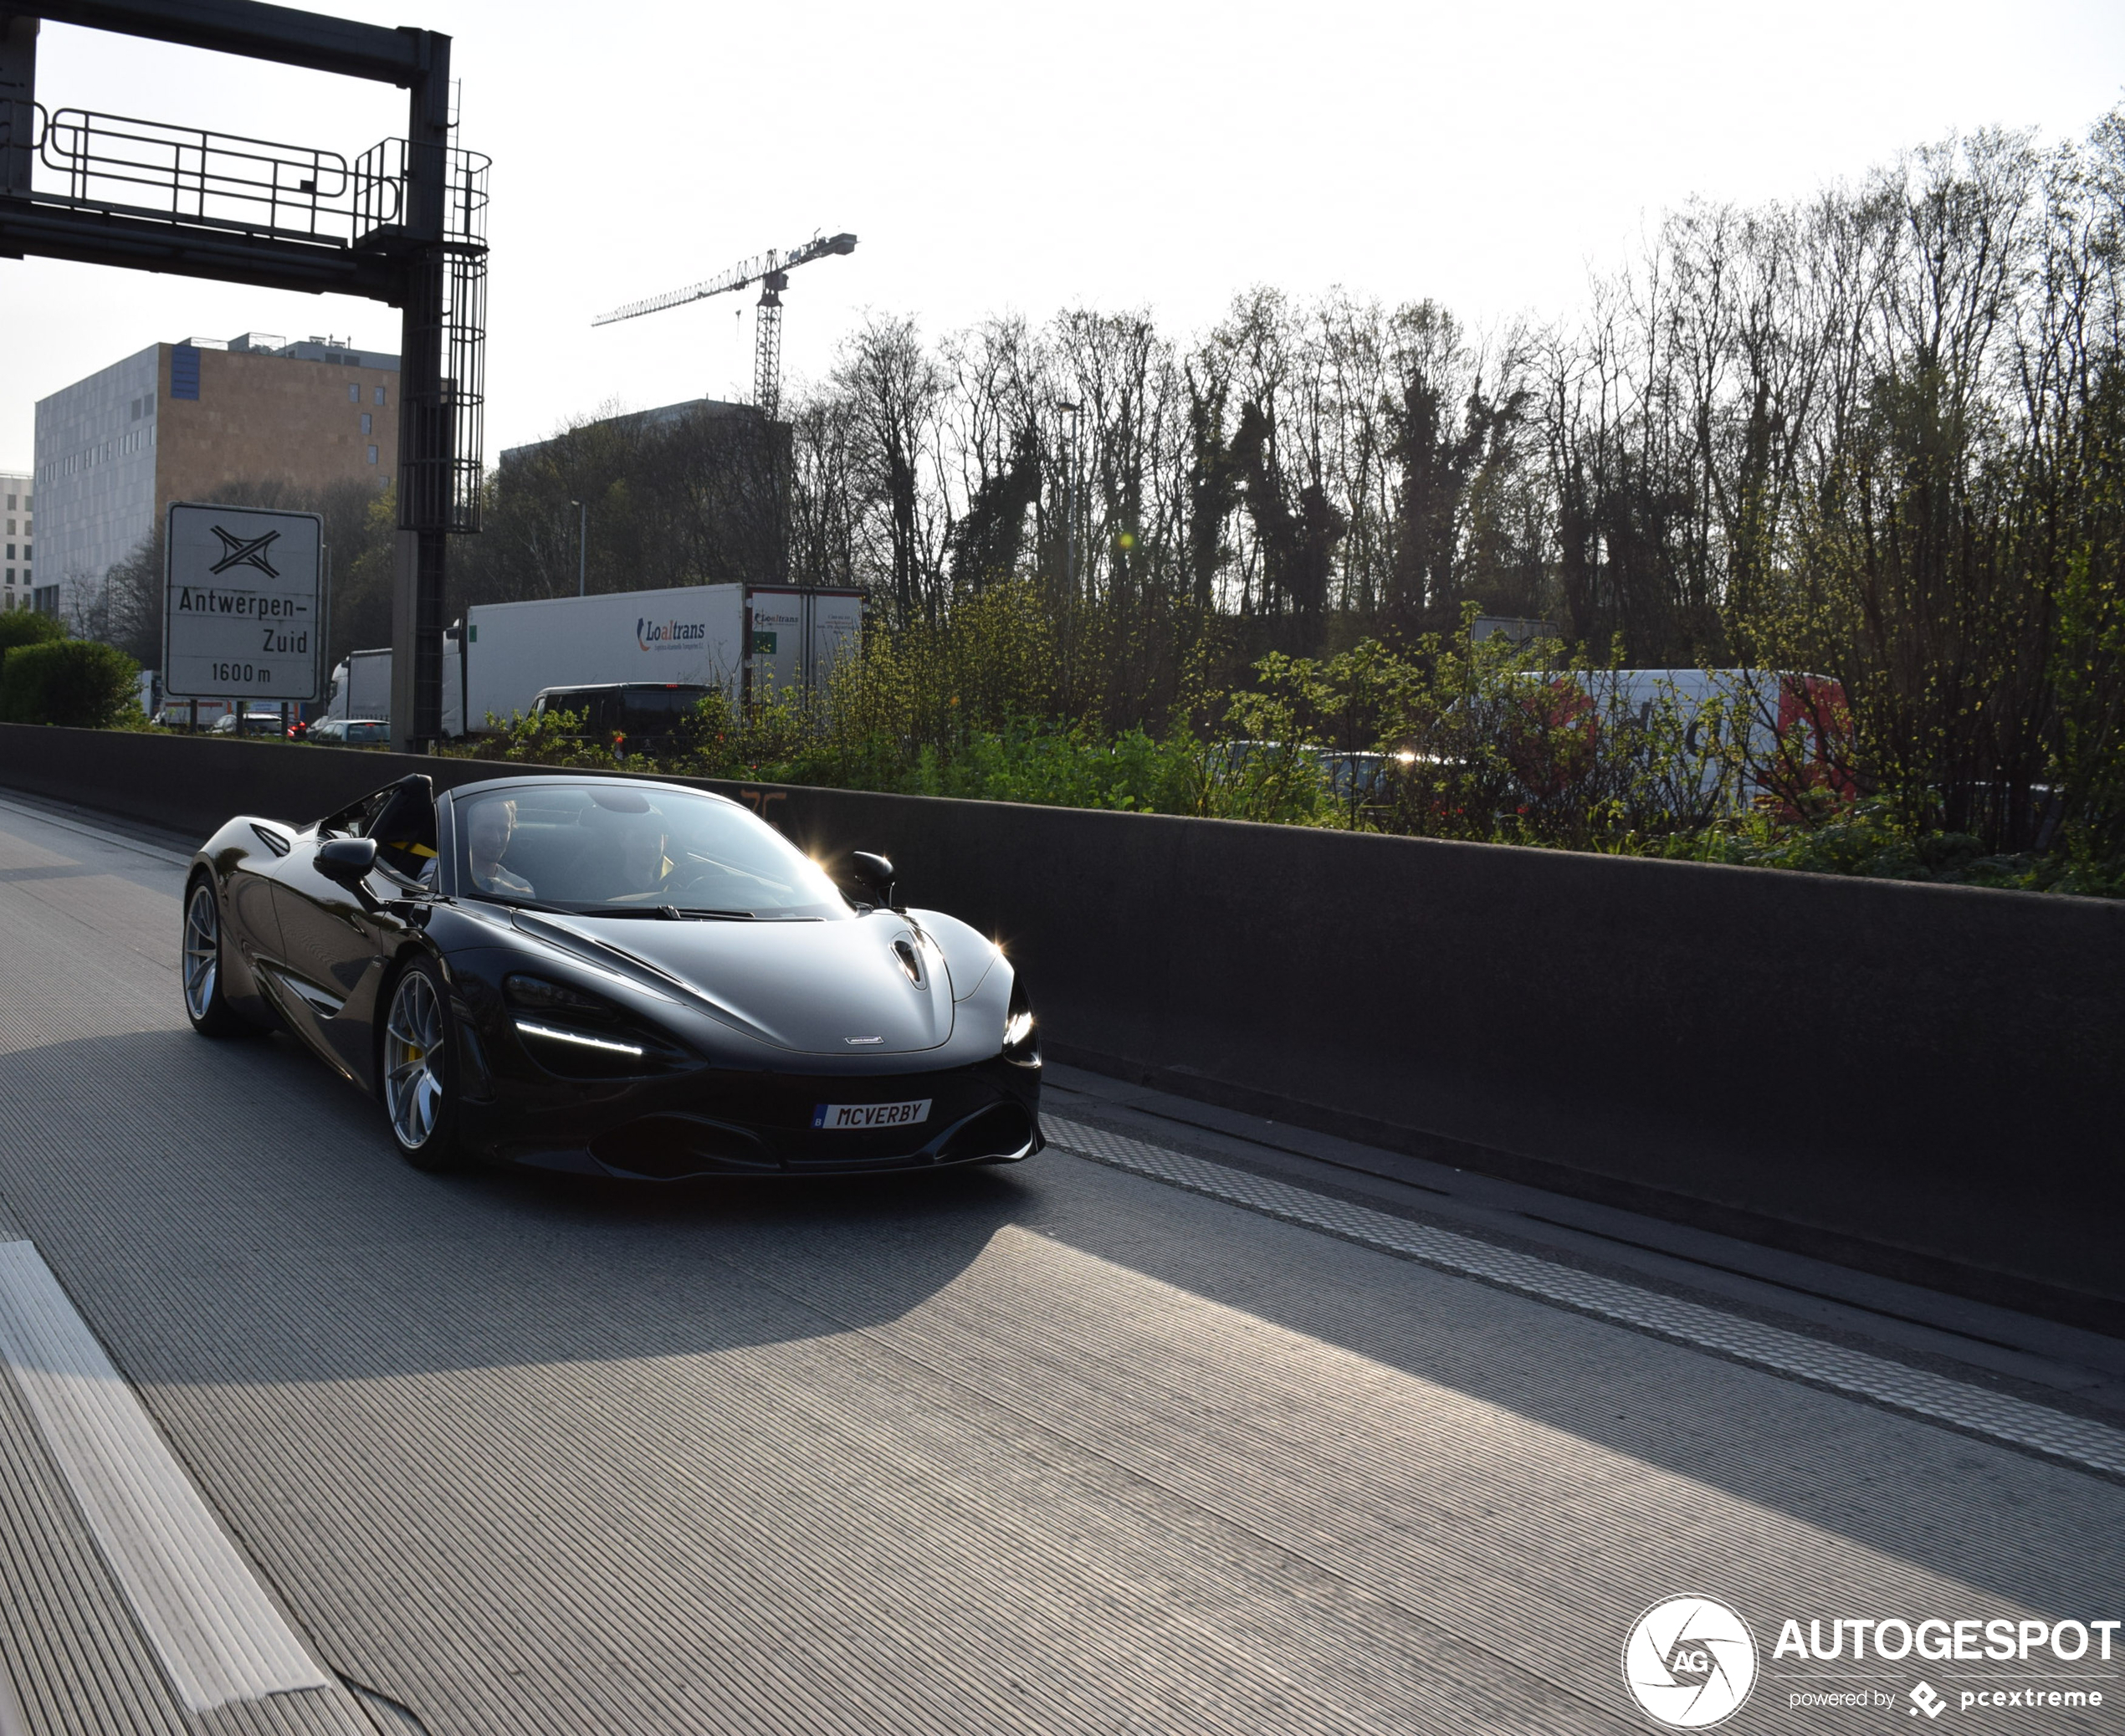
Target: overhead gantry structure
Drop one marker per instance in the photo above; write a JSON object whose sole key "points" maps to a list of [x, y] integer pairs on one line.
{"points": [[403, 223], [772, 272]]}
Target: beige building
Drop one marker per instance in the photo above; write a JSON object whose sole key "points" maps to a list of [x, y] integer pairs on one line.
{"points": [[182, 421], [16, 494]]}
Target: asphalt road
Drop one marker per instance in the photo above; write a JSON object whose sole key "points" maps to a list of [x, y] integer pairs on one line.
{"points": [[1058, 1448]]}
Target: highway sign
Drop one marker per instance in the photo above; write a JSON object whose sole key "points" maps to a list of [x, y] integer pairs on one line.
{"points": [[241, 614]]}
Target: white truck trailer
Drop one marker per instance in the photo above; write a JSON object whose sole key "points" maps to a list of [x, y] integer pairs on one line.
{"points": [[797, 634], [747, 639], [360, 686], [693, 635]]}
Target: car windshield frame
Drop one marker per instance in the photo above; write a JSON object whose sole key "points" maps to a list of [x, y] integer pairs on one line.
{"points": [[718, 861]]}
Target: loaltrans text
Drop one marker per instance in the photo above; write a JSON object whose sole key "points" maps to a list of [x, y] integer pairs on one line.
{"points": [[237, 605], [669, 632]]}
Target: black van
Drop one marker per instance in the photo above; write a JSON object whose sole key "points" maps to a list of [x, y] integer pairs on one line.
{"points": [[645, 715]]}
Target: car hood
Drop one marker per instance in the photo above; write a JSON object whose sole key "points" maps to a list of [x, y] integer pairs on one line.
{"points": [[821, 988]]}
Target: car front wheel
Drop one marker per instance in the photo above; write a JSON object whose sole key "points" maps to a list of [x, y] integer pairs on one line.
{"points": [[420, 1073], [200, 964]]}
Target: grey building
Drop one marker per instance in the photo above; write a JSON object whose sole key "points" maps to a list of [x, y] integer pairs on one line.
{"points": [[95, 473], [175, 422], [15, 491], [707, 484], [665, 416]]}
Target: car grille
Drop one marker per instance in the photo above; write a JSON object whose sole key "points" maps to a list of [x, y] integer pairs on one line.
{"points": [[762, 1122]]}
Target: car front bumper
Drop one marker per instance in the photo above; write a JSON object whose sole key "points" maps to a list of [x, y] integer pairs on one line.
{"points": [[714, 1122]]}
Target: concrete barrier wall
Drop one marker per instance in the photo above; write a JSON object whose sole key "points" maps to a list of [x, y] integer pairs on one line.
{"points": [[1922, 1081]]}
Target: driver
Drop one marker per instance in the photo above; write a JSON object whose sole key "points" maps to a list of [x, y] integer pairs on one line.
{"points": [[641, 868], [488, 831]]}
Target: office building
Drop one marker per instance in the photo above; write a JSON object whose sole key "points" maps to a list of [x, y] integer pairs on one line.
{"points": [[712, 477], [183, 421], [16, 492], [664, 417]]}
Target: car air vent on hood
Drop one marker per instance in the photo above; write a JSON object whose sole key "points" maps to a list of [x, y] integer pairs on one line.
{"points": [[809, 986]]}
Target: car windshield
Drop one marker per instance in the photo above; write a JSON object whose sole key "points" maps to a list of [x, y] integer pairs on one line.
{"points": [[616, 850]]}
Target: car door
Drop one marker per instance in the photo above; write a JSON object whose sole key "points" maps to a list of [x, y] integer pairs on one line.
{"points": [[249, 922], [337, 941]]}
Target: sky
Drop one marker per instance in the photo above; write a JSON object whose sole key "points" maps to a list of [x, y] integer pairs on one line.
{"points": [[1163, 155]]}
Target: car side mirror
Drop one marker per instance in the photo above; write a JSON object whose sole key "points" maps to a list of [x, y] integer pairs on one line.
{"points": [[874, 873], [346, 861]]}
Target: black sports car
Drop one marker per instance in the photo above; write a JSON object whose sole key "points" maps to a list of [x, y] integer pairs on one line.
{"points": [[613, 977]]}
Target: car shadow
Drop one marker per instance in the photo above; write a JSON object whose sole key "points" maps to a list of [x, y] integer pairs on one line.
{"points": [[235, 1212], [230, 1214]]}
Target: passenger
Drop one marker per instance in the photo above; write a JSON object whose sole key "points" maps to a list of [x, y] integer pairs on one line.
{"points": [[488, 831]]}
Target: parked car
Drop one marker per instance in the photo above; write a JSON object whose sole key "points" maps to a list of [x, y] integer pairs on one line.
{"points": [[1348, 775], [248, 723], [351, 732], [1361, 777], [638, 716], [178, 713]]}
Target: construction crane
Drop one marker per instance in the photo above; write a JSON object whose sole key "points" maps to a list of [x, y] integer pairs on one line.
{"points": [[772, 272]]}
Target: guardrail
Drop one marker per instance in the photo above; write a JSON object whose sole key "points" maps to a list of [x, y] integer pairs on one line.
{"points": [[187, 175], [1922, 1081]]}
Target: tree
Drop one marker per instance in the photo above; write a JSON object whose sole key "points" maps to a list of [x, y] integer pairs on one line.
{"points": [[894, 393], [986, 543]]}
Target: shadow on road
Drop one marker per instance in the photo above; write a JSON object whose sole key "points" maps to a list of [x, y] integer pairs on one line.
{"points": [[230, 1214], [234, 1212]]}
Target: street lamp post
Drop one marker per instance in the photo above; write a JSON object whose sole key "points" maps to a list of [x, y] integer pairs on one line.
{"points": [[582, 547]]}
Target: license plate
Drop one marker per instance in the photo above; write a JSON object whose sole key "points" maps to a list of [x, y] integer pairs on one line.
{"points": [[870, 1114]]}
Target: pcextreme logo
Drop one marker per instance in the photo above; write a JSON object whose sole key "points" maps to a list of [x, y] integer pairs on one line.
{"points": [[1690, 1662]]}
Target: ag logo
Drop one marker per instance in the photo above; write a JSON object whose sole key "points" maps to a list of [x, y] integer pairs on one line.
{"points": [[1690, 1662]]}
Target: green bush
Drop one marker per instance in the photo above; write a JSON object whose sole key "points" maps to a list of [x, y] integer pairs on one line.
{"points": [[1870, 838], [1483, 740], [26, 627], [75, 682]]}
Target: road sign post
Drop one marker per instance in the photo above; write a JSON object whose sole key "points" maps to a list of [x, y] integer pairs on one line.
{"points": [[241, 614]]}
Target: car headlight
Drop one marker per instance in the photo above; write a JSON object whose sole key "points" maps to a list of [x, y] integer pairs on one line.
{"points": [[571, 1031], [1020, 1042], [536, 994], [581, 1040]]}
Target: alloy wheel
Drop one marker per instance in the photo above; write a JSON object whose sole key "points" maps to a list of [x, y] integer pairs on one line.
{"points": [[413, 1060], [202, 950]]}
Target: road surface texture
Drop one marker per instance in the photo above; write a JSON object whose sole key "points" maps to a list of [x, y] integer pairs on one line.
{"points": [[1175, 1428]]}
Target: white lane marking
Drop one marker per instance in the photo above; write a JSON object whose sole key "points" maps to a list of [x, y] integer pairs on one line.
{"points": [[1935, 1398], [219, 1637], [116, 840]]}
